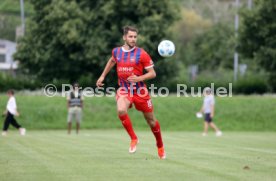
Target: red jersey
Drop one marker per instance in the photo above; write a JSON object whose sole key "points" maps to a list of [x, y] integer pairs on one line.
{"points": [[130, 62]]}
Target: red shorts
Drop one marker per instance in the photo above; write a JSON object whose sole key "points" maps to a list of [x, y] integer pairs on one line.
{"points": [[141, 101]]}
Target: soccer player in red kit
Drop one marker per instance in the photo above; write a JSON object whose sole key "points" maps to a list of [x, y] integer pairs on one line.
{"points": [[131, 62]]}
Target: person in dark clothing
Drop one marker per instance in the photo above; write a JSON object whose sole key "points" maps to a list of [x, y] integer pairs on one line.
{"points": [[9, 113]]}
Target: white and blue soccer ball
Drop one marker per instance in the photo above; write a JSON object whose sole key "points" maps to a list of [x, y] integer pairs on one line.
{"points": [[166, 48]]}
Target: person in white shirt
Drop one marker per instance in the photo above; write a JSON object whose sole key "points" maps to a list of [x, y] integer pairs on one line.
{"points": [[208, 108], [74, 105], [10, 112]]}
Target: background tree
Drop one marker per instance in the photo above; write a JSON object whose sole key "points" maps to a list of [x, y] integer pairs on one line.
{"points": [[10, 17], [212, 50], [257, 40], [7, 27], [71, 40]]}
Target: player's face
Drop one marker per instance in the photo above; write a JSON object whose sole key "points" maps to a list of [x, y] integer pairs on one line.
{"points": [[76, 86], [130, 38], [206, 93]]}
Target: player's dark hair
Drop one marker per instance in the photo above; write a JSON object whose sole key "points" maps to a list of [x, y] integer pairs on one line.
{"points": [[208, 90], [75, 84], [10, 92], [126, 29]]}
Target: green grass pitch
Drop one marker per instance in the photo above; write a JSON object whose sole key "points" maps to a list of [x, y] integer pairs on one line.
{"points": [[103, 155]]}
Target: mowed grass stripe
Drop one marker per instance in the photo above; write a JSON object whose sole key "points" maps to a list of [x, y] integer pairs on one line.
{"points": [[223, 144], [22, 158], [54, 163], [103, 155], [237, 155]]}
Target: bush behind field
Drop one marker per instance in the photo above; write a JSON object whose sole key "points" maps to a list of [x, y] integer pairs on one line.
{"points": [[249, 84], [20, 82], [239, 113]]}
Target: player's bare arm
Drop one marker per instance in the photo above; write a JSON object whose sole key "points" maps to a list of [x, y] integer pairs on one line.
{"points": [[16, 112], [68, 104], [149, 75], [212, 111], [81, 104], [202, 109], [109, 65]]}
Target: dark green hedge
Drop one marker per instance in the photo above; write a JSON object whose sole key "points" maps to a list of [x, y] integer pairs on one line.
{"points": [[248, 84]]}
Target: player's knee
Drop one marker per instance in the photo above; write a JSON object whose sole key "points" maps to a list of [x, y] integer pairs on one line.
{"points": [[151, 122], [122, 111]]}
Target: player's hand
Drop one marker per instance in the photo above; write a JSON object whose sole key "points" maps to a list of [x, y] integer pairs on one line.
{"points": [[4, 113], [17, 114], [212, 115], [133, 78], [100, 82]]}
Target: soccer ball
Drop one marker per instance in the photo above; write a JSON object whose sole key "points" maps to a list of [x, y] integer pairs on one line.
{"points": [[166, 48], [199, 115]]}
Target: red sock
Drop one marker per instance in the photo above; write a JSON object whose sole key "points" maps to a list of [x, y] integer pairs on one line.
{"points": [[157, 133], [128, 126]]}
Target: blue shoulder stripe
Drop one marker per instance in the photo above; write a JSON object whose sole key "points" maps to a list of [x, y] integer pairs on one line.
{"points": [[138, 54], [119, 58], [132, 55], [125, 56], [115, 52]]}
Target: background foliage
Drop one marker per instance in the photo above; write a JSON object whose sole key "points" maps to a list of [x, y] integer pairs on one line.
{"points": [[258, 37], [71, 40]]}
